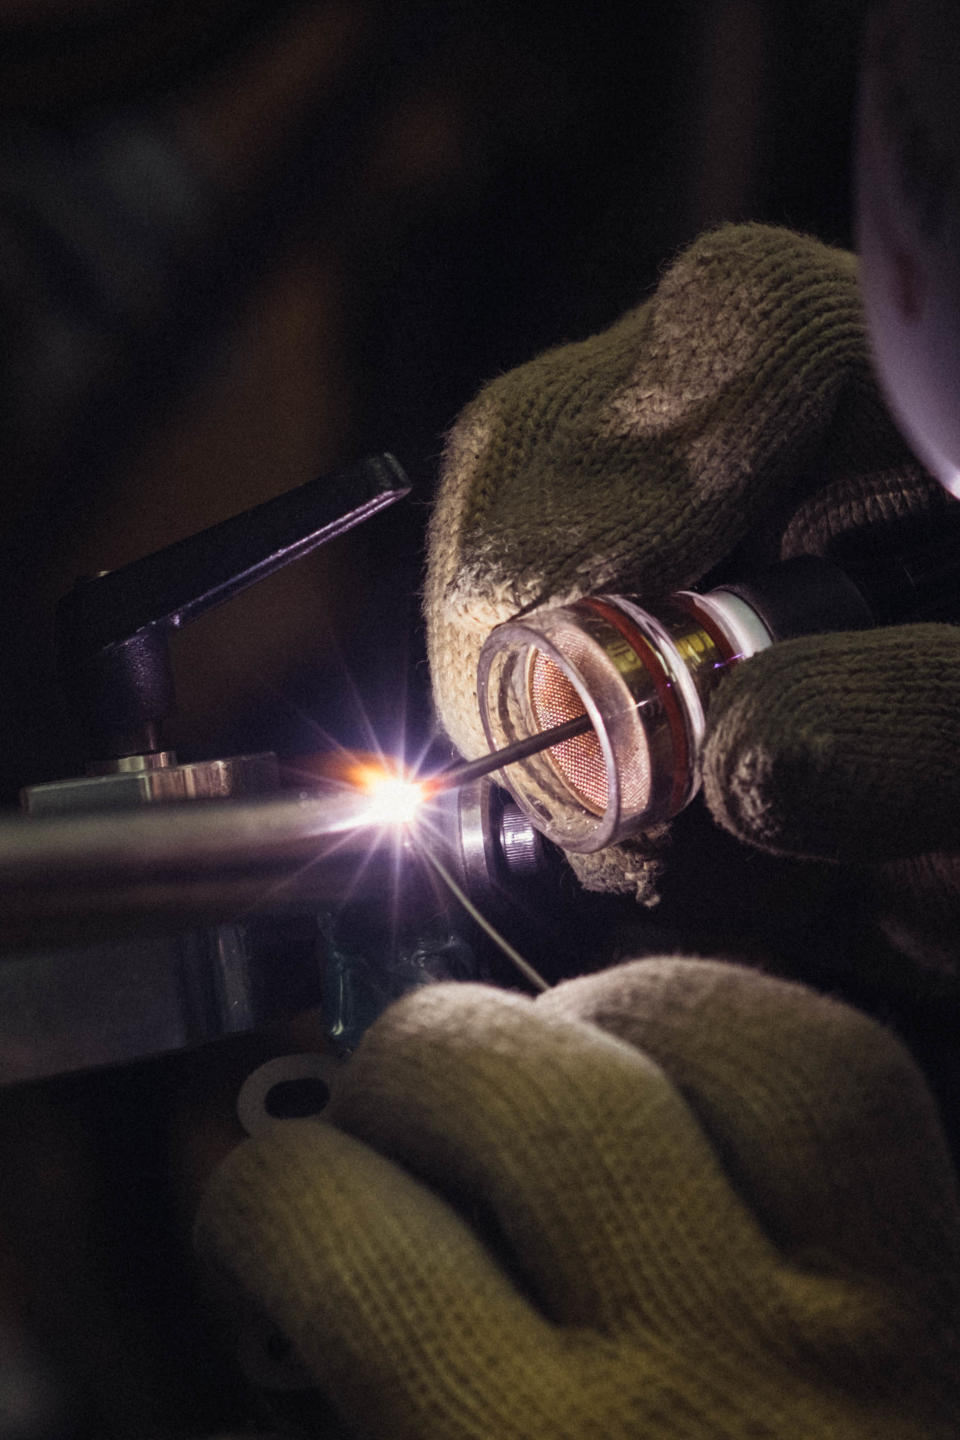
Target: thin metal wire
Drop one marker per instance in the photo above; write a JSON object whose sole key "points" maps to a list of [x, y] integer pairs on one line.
{"points": [[524, 966]]}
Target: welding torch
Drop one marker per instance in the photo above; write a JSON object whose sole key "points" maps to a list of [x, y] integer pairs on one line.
{"points": [[594, 714]]}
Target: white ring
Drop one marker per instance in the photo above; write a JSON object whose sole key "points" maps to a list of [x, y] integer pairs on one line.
{"points": [[252, 1109]]}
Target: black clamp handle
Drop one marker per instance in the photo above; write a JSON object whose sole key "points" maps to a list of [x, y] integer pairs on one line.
{"points": [[112, 631]]}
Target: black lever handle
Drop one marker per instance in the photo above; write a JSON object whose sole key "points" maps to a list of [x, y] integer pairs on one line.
{"points": [[112, 630]]}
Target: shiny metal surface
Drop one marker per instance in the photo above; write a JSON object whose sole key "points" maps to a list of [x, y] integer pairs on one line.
{"points": [[205, 860], [478, 817], [179, 862], [126, 932], [521, 842], [151, 778], [77, 990]]}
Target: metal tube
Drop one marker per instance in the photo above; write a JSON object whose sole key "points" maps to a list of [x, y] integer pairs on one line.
{"points": [[181, 863], [83, 875]]}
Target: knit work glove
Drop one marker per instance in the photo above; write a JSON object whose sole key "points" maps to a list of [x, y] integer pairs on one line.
{"points": [[733, 413], [677, 1199]]}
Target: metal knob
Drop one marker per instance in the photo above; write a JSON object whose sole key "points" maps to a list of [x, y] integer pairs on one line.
{"points": [[521, 844]]}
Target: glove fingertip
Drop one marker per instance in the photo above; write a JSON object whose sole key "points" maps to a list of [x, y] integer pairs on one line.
{"points": [[840, 747]]}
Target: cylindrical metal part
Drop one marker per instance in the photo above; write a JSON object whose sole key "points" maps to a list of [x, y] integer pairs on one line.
{"points": [[127, 932], [85, 875], [181, 863]]}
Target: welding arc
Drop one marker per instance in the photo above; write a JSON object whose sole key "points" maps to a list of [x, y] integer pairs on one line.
{"points": [[519, 750]]}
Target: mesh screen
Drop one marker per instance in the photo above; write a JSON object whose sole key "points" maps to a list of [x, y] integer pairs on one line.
{"points": [[580, 760]]}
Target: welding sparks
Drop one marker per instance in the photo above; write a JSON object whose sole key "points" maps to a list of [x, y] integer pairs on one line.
{"points": [[378, 790], [393, 797], [390, 798], [386, 796], [395, 800]]}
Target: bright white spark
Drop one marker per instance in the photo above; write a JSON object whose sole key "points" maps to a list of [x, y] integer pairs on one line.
{"points": [[390, 800]]}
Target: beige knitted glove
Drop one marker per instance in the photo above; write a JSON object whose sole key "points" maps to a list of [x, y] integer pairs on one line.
{"points": [[677, 1199], [736, 406]]}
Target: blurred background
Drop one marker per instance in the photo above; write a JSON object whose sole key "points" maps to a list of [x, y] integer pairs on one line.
{"points": [[243, 242]]}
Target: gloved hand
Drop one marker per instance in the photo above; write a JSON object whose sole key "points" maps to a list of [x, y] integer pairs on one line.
{"points": [[734, 412], [677, 1199]]}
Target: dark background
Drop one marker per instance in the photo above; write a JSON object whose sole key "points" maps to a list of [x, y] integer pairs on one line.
{"points": [[366, 212], [361, 212]]}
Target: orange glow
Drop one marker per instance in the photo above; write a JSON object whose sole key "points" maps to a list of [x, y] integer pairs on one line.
{"points": [[394, 800], [388, 790]]}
